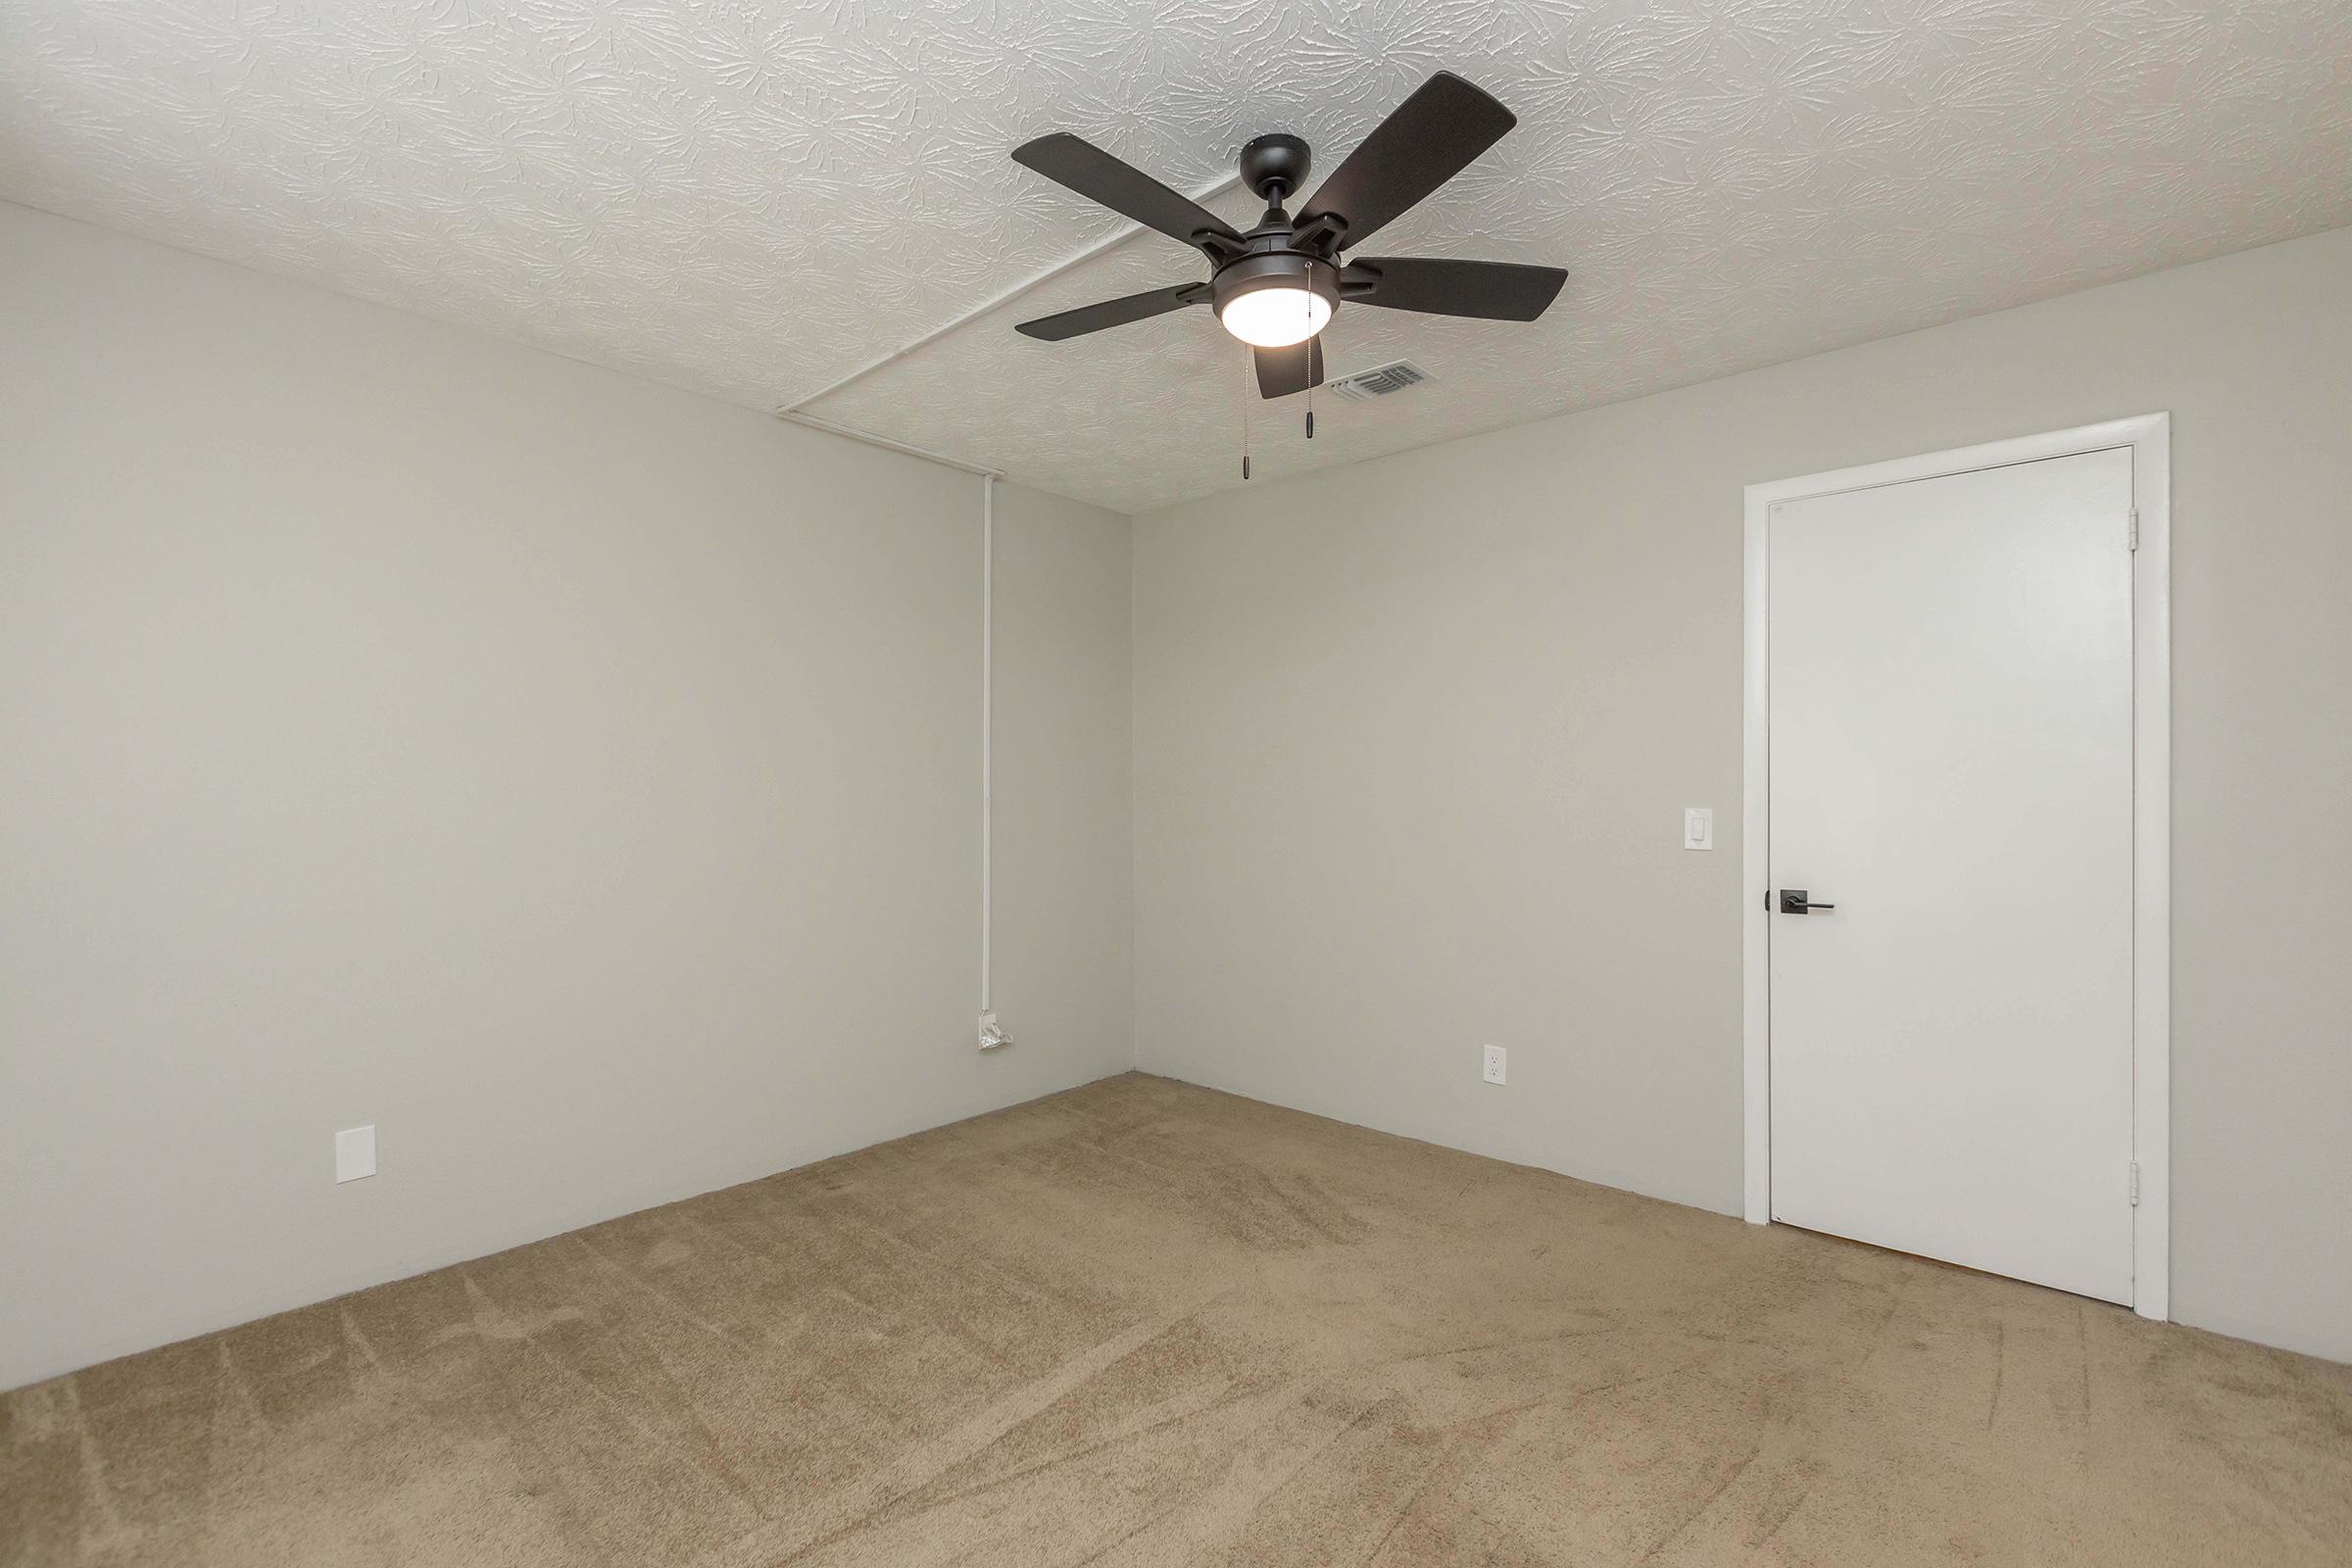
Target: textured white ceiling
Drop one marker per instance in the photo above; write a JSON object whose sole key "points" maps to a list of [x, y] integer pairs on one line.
{"points": [[756, 198]]}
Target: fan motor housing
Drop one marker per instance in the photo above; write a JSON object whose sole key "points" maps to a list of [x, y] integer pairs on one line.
{"points": [[1275, 268]]}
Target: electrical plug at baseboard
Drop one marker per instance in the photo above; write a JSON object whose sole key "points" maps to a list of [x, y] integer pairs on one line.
{"points": [[992, 1033]]}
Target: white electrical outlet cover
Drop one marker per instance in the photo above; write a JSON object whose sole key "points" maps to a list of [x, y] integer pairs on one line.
{"points": [[1493, 1063], [355, 1154]]}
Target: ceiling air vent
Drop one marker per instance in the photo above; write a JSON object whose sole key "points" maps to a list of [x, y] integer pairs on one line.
{"points": [[1379, 381]]}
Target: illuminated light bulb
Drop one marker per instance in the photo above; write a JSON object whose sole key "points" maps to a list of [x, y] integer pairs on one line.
{"points": [[1276, 318]]}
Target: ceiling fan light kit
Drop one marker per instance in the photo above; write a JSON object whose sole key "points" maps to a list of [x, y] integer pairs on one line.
{"points": [[1278, 292], [1273, 306], [1280, 284]]}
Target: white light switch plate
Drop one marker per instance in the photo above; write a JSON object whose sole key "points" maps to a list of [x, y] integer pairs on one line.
{"points": [[355, 1154], [1699, 827]]}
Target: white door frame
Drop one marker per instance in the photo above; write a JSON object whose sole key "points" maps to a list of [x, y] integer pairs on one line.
{"points": [[2149, 437]]}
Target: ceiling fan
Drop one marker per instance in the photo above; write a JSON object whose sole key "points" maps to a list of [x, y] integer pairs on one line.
{"points": [[1277, 287]]}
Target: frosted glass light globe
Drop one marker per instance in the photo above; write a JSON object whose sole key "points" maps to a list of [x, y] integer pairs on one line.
{"points": [[1276, 318]]}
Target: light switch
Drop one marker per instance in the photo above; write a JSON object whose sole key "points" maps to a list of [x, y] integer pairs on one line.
{"points": [[355, 1154], [1699, 827]]}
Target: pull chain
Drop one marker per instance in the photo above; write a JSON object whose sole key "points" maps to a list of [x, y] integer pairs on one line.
{"points": [[1247, 361], [1314, 358]]}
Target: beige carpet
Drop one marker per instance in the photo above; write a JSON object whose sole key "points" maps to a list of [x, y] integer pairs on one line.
{"points": [[1145, 1323]]}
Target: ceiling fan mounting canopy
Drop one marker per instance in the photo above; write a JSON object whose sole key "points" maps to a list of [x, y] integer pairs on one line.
{"points": [[1275, 165], [1278, 285]]}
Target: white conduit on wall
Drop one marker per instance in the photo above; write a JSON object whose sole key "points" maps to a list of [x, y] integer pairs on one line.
{"points": [[991, 1035]]}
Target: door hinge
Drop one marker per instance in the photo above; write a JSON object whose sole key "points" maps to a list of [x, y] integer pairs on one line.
{"points": [[2136, 1184], [2132, 528]]}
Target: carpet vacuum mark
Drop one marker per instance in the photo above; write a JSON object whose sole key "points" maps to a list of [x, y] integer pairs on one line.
{"points": [[1144, 1323]]}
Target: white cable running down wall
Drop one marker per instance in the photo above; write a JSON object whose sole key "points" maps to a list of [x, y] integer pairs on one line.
{"points": [[990, 1034]]}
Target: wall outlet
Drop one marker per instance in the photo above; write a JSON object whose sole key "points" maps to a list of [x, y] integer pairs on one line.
{"points": [[1493, 1064], [355, 1154], [1699, 827]]}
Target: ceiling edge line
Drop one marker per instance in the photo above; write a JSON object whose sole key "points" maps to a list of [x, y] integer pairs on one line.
{"points": [[997, 301], [907, 448]]}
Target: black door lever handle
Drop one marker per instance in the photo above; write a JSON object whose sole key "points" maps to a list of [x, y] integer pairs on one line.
{"points": [[1794, 902]]}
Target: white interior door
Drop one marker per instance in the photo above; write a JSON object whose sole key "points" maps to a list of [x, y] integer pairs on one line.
{"points": [[1950, 713]]}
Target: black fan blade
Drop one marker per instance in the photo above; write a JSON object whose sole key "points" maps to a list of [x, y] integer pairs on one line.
{"points": [[1431, 137], [1113, 312], [1120, 186], [1493, 291], [1283, 371]]}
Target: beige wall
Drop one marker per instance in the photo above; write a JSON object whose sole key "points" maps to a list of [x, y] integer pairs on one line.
{"points": [[1413, 740], [572, 777]]}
